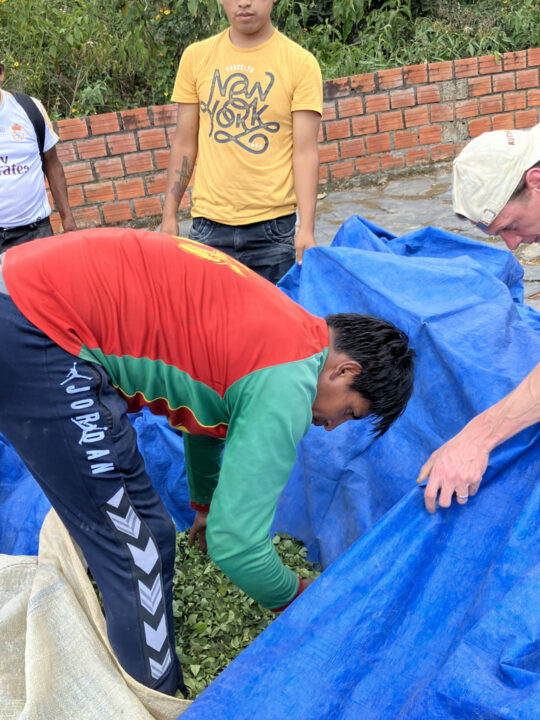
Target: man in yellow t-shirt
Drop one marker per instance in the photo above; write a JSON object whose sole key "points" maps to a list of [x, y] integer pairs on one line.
{"points": [[249, 110]]}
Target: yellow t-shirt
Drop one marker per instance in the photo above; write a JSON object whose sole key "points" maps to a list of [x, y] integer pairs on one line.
{"points": [[246, 97]]}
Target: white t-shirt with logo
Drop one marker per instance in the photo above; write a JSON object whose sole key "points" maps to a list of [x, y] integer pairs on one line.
{"points": [[23, 198]]}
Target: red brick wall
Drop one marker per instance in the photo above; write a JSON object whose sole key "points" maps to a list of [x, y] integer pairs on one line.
{"points": [[374, 124]]}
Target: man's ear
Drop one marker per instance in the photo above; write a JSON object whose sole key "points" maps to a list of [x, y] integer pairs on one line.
{"points": [[1, 72], [347, 369], [533, 179]]}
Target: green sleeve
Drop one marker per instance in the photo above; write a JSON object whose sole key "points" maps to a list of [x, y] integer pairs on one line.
{"points": [[203, 460], [270, 412]]}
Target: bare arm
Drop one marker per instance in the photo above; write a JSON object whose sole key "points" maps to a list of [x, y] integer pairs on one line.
{"points": [[57, 183], [305, 160], [458, 466], [181, 163]]}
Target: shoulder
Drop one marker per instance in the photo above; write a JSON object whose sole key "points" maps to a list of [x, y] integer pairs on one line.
{"points": [[205, 47], [295, 51]]}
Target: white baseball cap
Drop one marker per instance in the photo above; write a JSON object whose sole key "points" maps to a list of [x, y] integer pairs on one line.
{"points": [[489, 169]]}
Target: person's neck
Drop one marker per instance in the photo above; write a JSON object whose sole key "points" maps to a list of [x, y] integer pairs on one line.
{"points": [[243, 41]]}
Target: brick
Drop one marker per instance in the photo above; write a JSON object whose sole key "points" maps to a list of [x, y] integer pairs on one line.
{"points": [[75, 196], [122, 143], [417, 116], [503, 122], [389, 78], [129, 189], [367, 165], [323, 175], [526, 79], [343, 170], [405, 139], [402, 98], [155, 184], [515, 101], [390, 121], [112, 167], [337, 129], [138, 162], [479, 86], [320, 133], [164, 114], [147, 207], [479, 126], [329, 111], [104, 123], [328, 152], [78, 173], [442, 152], [465, 67], [428, 94], [419, 156], [490, 104], [151, 139], [87, 217], [378, 143], [351, 148], [533, 57], [442, 113], [526, 119], [161, 159], [350, 106], [415, 74], [117, 212], [72, 128], [466, 108], [66, 152], [56, 222], [377, 103], [429, 135], [93, 148], [170, 131], [364, 83], [533, 97], [515, 60], [440, 71], [339, 87], [489, 64], [364, 125], [389, 162], [504, 82], [135, 119], [99, 192], [185, 202]]}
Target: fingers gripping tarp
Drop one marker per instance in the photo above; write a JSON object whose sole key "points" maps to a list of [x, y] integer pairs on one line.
{"points": [[415, 616]]}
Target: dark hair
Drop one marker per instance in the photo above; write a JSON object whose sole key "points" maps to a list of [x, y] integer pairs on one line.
{"points": [[387, 363]]}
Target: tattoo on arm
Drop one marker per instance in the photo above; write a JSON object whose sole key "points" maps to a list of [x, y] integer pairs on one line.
{"points": [[179, 186]]}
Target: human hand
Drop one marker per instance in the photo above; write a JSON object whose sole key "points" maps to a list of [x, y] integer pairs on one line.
{"points": [[198, 531], [170, 226], [456, 468], [304, 239]]}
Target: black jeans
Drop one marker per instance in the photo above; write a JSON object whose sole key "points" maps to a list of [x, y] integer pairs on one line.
{"points": [[266, 247], [19, 235]]}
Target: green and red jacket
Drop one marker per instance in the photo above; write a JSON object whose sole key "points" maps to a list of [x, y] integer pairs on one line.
{"points": [[192, 334]]}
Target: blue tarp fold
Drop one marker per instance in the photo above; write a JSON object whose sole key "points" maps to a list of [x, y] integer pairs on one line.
{"points": [[415, 616]]}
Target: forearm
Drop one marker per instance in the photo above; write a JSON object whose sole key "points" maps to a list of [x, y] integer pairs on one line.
{"points": [[181, 159], [306, 182], [516, 411], [57, 184]]}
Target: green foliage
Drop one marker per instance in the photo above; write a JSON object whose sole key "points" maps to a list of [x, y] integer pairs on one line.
{"points": [[86, 56], [214, 619]]}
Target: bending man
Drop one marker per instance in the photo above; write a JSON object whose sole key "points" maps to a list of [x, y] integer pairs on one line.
{"points": [[101, 322]]}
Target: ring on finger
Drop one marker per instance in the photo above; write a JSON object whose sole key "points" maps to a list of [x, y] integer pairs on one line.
{"points": [[462, 497]]}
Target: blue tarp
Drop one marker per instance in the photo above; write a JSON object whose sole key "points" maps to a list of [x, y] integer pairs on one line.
{"points": [[414, 617]]}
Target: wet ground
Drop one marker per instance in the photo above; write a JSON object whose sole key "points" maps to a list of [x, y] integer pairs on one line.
{"points": [[404, 204]]}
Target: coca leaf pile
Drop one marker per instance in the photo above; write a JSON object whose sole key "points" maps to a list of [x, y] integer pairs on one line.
{"points": [[214, 619]]}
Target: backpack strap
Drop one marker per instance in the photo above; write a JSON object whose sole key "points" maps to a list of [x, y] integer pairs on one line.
{"points": [[35, 117]]}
